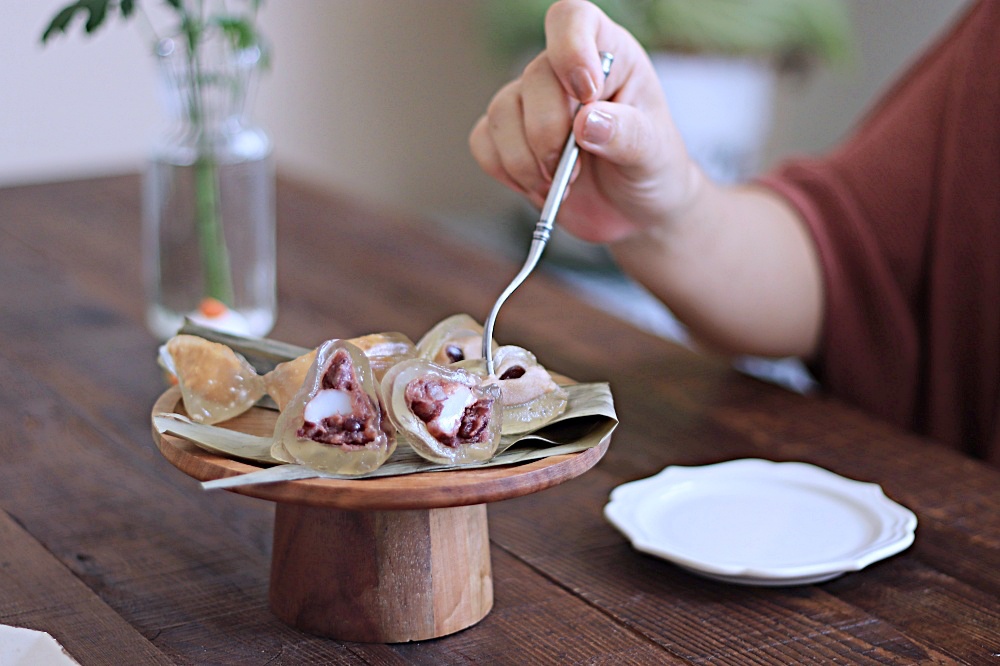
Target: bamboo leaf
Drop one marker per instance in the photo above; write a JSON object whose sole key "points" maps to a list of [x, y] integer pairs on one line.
{"points": [[401, 464], [269, 475], [221, 441], [262, 353], [589, 418]]}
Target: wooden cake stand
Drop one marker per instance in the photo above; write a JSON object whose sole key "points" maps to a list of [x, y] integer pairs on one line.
{"points": [[381, 560]]}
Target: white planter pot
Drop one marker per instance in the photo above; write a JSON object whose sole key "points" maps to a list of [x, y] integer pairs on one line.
{"points": [[722, 107]]}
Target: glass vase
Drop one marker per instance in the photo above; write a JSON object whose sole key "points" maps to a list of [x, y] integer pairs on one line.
{"points": [[208, 196]]}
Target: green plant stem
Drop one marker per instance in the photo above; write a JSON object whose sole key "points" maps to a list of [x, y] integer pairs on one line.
{"points": [[217, 277], [217, 281]]}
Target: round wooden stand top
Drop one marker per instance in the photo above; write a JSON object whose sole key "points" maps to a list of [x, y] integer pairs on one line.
{"points": [[425, 490]]}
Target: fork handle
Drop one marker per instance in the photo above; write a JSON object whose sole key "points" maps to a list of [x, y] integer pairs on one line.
{"points": [[543, 228]]}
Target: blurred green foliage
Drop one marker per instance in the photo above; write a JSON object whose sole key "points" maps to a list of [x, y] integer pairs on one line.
{"points": [[793, 33]]}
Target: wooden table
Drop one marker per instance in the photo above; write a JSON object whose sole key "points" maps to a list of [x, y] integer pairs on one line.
{"points": [[124, 559]]}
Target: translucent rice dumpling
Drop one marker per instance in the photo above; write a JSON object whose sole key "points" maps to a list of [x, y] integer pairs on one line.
{"points": [[334, 422], [382, 349], [530, 397], [457, 338], [445, 413], [216, 383]]}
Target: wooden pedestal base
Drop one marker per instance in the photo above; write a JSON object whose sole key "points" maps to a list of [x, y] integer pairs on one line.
{"points": [[385, 560], [381, 576]]}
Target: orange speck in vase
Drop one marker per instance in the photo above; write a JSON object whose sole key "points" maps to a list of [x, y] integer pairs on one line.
{"points": [[212, 307]]}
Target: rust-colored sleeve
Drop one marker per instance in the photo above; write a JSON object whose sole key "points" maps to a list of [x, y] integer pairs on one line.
{"points": [[905, 216]]}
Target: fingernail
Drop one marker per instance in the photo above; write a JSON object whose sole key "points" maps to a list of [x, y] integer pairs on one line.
{"points": [[599, 128], [583, 84]]}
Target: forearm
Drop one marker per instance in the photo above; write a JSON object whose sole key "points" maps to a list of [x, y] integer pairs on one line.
{"points": [[738, 267], [735, 265]]}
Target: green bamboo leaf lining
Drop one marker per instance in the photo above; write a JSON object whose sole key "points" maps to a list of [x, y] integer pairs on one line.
{"points": [[589, 418]]}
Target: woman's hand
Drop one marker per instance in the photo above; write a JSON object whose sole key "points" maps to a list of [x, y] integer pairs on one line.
{"points": [[633, 173], [733, 263]]}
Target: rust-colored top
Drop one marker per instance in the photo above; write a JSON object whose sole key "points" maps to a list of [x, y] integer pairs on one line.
{"points": [[906, 219]]}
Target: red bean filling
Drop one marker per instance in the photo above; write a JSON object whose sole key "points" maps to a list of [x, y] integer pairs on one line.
{"points": [[454, 353], [425, 397], [355, 430], [513, 372]]}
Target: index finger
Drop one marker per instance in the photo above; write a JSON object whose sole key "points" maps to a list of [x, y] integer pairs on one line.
{"points": [[576, 33]]}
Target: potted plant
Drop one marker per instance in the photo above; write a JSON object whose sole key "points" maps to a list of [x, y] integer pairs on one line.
{"points": [[208, 200]]}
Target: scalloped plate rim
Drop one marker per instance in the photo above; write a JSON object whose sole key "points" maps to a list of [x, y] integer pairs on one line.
{"points": [[896, 523]]}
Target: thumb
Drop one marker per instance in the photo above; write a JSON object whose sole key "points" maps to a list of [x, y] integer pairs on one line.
{"points": [[619, 134]]}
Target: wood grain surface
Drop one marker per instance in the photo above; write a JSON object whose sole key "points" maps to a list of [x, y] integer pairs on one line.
{"points": [[167, 573]]}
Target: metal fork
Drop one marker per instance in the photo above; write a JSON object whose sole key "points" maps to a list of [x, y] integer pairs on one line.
{"points": [[543, 229]]}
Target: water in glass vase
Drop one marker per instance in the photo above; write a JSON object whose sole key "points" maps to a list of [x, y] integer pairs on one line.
{"points": [[182, 281]]}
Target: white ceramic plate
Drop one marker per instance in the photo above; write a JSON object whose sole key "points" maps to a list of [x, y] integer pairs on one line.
{"points": [[757, 522], [28, 647]]}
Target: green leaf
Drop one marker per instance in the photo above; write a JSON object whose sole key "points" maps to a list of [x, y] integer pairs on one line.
{"points": [[60, 22], [96, 11], [192, 29], [239, 31]]}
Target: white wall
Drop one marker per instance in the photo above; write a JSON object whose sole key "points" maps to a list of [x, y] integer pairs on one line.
{"points": [[379, 97], [375, 97], [70, 108], [814, 114]]}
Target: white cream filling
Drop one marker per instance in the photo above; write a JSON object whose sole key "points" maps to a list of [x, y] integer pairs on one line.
{"points": [[453, 407], [327, 403]]}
